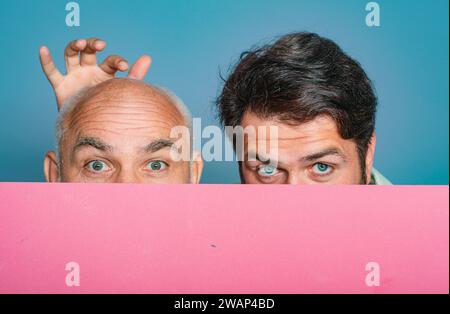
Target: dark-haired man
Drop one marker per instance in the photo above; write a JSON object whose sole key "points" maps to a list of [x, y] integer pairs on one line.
{"points": [[323, 104]]}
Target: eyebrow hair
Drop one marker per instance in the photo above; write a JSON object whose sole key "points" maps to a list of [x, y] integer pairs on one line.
{"points": [[321, 154], [308, 158], [92, 142], [157, 145], [257, 157]]}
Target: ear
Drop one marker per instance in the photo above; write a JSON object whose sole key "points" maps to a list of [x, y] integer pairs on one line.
{"points": [[370, 156], [51, 171], [197, 168]]}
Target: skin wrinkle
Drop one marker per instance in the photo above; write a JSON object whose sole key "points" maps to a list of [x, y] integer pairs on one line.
{"points": [[129, 123], [86, 117], [110, 105], [139, 92], [98, 144], [118, 118]]}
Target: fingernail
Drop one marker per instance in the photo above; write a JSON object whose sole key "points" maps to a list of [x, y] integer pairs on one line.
{"points": [[99, 44]]}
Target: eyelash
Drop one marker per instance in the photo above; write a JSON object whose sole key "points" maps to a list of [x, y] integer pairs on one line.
{"points": [[268, 178], [161, 161], [322, 175], [146, 163], [86, 166]]}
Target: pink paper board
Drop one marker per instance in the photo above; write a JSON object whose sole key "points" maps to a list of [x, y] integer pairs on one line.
{"points": [[223, 239]]}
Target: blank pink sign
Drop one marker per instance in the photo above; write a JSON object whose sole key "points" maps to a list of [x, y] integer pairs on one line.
{"points": [[223, 239]]}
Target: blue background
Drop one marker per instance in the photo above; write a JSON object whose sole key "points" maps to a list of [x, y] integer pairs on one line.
{"points": [[191, 41]]}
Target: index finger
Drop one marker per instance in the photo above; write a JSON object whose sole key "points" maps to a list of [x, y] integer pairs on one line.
{"points": [[139, 70]]}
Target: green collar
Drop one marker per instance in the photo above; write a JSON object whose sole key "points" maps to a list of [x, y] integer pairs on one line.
{"points": [[378, 179]]}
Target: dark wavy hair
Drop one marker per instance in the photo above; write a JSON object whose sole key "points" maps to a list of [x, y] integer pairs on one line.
{"points": [[298, 78]]}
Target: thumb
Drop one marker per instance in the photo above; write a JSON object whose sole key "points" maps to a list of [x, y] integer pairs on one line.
{"points": [[139, 70]]}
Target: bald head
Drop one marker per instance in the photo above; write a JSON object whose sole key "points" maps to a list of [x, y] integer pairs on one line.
{"points": [[120, 131], [129, 104]]}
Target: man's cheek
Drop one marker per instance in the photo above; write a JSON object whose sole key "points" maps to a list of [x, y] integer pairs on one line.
{"points": [[350, 175], [249, 177], [72, 175], [177, 173]]}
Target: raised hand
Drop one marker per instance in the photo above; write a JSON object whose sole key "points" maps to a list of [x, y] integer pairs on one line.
{"points": [[83, 70]]}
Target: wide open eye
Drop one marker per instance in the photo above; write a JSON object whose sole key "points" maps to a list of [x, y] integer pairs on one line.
{"points": [[322, 169], [156, 166], [267, 170], [97, 166]]}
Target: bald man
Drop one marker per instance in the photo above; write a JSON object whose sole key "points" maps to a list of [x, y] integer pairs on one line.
{"points": [[120, 131], [115, 130]]}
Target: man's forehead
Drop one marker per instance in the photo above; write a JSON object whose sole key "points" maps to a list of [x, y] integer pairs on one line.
{"points": [[125, 102], [118, 134], [118, 131], [305, 141], [291, 130], [147, 145], [148, 107], [127, 118]]}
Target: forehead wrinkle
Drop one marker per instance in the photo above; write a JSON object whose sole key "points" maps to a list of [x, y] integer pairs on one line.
{"points": [[135, 92], [128, 94], [128, 124], [95, 130], [129, 106], [125, 112], [116, 117], [104, 114], [130, 102]]}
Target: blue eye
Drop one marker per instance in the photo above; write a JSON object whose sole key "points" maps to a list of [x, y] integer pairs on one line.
{"points": [[97, 166], [267, 170], [156, 166], [322, 169]]}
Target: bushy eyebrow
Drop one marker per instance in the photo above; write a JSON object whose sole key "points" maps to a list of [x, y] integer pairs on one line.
{"points": [[157, 145], [323, 153], [257, 157], [92, 142], [307, 159], [97, 143]]}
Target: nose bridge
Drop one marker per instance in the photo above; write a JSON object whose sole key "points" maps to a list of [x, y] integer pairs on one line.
{"points": [[127, 174], [295, 176]]}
